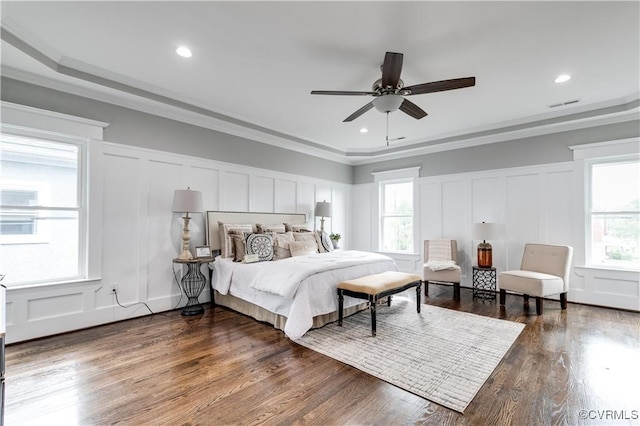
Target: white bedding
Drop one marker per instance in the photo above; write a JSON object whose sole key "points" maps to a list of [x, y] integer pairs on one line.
{"points": [[308, 283]]}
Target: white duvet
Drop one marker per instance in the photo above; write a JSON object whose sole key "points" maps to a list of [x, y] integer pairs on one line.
{"points": [[298, 287]]}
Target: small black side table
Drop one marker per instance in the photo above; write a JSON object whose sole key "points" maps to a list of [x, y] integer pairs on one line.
{"points": [[484, 282], [192, 283]]}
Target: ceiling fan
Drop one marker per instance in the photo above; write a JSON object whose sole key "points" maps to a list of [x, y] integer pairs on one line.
{"points": [[389, 91]]}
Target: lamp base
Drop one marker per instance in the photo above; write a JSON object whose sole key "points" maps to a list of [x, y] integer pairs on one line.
{"points": [[186, 236], [485, 255], [185, 255]]}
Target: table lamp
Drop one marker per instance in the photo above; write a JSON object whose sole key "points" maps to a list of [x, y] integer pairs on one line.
{"points": [[485, 231], [186, 201], [323, 209]]}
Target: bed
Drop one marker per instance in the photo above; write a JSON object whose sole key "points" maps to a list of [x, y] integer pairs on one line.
{"points": [[294, 294]]}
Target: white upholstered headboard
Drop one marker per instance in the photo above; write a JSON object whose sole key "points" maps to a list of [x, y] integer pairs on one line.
{"points": [[213, 217]]}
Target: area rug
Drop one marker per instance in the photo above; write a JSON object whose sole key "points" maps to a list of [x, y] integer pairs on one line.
{"points": [[442, 355]]}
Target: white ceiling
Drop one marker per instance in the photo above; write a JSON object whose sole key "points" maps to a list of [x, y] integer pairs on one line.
{"points": [[254, 63]]}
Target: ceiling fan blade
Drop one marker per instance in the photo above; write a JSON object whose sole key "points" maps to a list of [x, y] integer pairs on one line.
{"points": [[439, 86], [412, 109], [391, 69], [339, 92], [358, 113]]}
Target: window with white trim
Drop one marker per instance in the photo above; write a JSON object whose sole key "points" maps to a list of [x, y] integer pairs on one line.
{"points": [[42, 209], [613, 234], [396, 216]]}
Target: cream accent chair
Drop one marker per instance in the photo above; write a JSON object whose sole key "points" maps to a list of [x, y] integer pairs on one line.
{"points": [[544, 272], [450, 276]]}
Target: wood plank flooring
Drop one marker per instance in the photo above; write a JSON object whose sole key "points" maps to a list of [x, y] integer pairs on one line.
{"points": [[223, 368]]}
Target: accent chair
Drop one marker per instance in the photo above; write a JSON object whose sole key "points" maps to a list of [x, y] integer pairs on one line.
{"points": [[441, 265], [544, 271]]}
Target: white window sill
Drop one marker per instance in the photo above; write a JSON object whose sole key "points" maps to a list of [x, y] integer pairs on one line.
{"points": [[28, 286], [398, 253], [607, 268]]}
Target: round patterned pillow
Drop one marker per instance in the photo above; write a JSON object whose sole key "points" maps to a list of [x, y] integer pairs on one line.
{"points": [[260, 244]]}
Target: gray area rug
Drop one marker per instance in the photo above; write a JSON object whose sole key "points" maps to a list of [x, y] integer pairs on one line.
{"points": [[442, 355]]}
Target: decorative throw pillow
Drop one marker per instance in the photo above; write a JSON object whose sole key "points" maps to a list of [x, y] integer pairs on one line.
{"points": [[324, 242], [226, 245], [238, 247], [306, 236], [301, 248], [281, 245], [260, 244], [280, 229]]}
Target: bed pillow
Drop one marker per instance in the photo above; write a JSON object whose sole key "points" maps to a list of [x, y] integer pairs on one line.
{"points": [[301, 248], [306, 236], [226, 245], [296, 228], [278, 228], [324, 242], [281, 245], [260, 244]]}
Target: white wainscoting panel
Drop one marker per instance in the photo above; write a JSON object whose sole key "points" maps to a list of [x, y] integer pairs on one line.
{"points": [[430, 211], [558, 208], [236, 191], [262, 194], [522, 215], [121, 227], [286, 199], [54, 306], [361, 215], [206, 180]]}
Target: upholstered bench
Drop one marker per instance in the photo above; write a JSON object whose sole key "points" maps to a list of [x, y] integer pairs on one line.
{"points": [[375, 287]]}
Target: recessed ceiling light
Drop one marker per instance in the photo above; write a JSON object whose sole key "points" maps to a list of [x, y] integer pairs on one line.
{"points": [[562, 78], [364, 130], [183, 51]]}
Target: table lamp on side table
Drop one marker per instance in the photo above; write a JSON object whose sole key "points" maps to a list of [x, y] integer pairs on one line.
{"points": [[186, 201], [485, 231]]}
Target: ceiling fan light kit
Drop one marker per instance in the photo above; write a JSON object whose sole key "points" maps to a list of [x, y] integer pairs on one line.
{"points": [[389, 91], [388, 103]]}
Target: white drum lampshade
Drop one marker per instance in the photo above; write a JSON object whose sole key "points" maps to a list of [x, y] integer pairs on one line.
{"points": [[186, 201]]}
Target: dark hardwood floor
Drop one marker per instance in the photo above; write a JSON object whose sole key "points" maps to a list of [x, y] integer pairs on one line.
{"points": [[225, 368]]}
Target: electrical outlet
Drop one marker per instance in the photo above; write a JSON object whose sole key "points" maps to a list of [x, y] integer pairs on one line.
{"points": [[113, 287]]}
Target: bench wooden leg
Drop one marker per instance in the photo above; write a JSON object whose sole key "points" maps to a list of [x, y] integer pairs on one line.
{"points": [[373, 304], [539, 306], [340, 305], [426, 288], [503, 297], [418, 296]]}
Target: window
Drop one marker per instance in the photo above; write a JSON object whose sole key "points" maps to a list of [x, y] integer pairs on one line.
{"points": [[41, 210], [17, 223], [614, 214], [396, 219]]}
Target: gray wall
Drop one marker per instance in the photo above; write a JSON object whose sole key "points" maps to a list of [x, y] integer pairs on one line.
{"points": [[544, 149], [136, 128]]}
